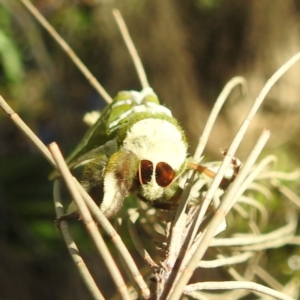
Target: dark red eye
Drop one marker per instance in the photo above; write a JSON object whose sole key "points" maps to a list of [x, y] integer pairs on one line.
{"points": [[146, 171], [164, 174]]}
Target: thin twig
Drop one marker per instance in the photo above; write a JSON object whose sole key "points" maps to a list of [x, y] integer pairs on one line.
{"points": [[138, 243], [259, 188], [251, 177], [248, 183], [177, 228], [201, 145], [68, 50], [260, 207], [129, 263], [89, 223], [73, 250], [27, 131], [225, 261], [218, 217], [200, 296], [92, 206], [249, 275], [35, 40], [288, 176], [235, 81], [156, 236], [69, 241], [131, 48], [231, 285], [263, 241], [177, 249], [241, 132], [267, 278], [228, 157], [290, 195]]}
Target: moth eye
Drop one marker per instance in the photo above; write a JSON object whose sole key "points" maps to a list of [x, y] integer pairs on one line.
{"points": [[164, 174], [145, 171]]}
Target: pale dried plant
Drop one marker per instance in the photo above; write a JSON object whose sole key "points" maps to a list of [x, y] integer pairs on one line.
{"points": [[180, 239]]}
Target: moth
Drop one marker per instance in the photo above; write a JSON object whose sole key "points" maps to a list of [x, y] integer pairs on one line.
{"points": [[135, 147]]}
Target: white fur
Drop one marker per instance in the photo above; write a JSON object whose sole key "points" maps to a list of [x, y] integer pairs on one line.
{"points": [[138, 97], [112, 194], [157, 140], [152, 139]]}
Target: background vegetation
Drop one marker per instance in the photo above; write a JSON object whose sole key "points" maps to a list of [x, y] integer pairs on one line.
{"points": [[189, 49]]}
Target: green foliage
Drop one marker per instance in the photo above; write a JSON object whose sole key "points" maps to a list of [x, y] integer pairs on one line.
{"points": [[10, 57], [74, 19]]}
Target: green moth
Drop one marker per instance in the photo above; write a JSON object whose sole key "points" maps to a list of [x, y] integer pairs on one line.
{"points": [[136, 146]]}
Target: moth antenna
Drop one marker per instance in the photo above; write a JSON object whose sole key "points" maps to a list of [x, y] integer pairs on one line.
{"points": [[131, 48], [68, 50]]}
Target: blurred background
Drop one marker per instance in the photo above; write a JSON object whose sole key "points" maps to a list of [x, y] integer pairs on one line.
{"points": [[189, 49]]}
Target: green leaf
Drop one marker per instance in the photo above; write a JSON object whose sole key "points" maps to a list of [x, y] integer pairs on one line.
{"points": [[10, 59]]}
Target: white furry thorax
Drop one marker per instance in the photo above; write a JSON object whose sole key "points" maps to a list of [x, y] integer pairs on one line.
{"points": [[156, 140]]}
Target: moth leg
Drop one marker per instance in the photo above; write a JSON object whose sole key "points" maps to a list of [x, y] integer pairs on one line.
{"points": [[234, 169], [93, 177], [75, 216], [171, 204], [92, 181], [119, 178]]}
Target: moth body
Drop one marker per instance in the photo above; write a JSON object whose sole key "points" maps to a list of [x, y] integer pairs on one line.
{"points": [[136, 146]]}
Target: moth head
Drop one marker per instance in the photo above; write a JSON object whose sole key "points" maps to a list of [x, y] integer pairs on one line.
{"points": [[161, 149], [154, 179]]}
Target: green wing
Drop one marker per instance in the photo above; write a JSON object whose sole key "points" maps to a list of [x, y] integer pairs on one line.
{"points": [[92, 142], [100, 139]]}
